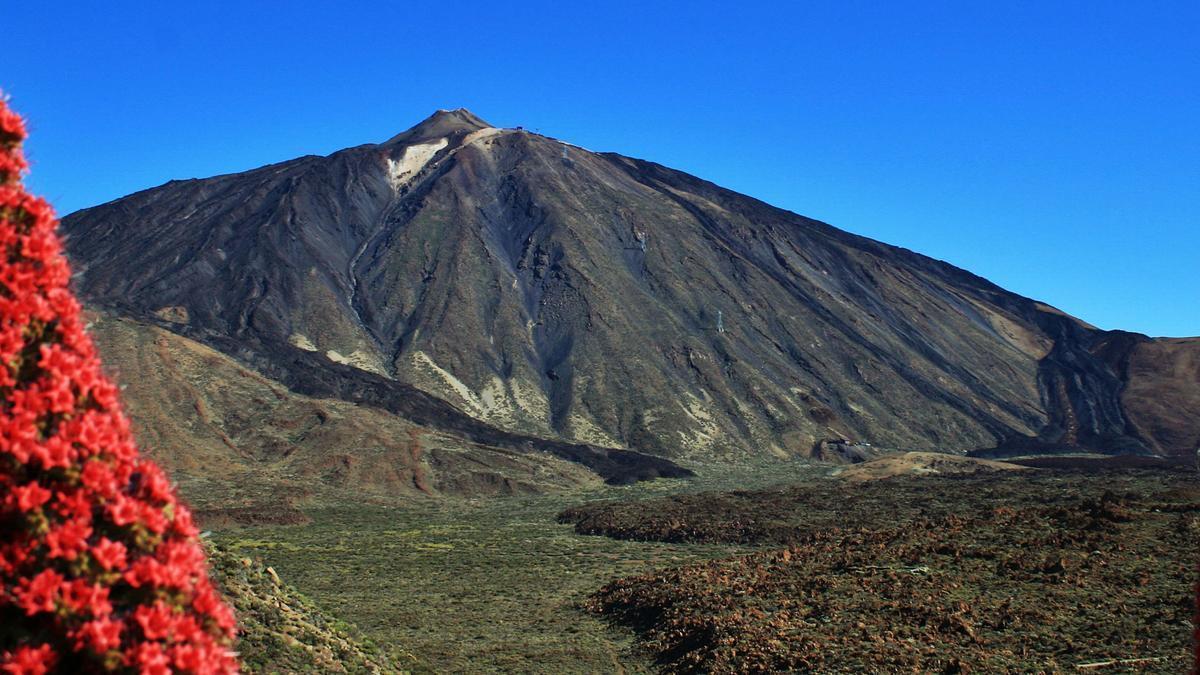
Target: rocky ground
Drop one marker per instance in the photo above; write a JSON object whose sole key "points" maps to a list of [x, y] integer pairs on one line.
{"points": [[1031, 571]]}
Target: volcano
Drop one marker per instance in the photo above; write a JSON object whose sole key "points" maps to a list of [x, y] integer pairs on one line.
{"points": [[564, 298]]}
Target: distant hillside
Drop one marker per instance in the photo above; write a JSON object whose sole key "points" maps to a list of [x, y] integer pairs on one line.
{"points": [[553, 292]]}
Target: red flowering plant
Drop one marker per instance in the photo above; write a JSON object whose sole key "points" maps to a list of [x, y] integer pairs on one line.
{"points": [[101, 567]]}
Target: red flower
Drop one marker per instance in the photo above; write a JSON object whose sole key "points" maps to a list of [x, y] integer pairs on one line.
{"points": [[99, 477], [18, 432], [187, 658], [73, 504], [29, 661], [123, 511], [100, 636], [12, 127], [146, 572], [12, 165], [192, 658], [13, 555], [154, 484], [69, 539], [83, 597], [156, 621], [208, 602], [149, 658], [96, 549], [29, 497], [151, 517], [38, 594], [183, 520], [109, 554], [53, 453]]}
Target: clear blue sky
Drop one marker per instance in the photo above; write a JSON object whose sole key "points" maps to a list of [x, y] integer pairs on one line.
{"points": [[1053, 147]]}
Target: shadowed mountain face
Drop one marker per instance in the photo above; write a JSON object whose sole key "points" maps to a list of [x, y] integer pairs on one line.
{"points": [[554, 292]]}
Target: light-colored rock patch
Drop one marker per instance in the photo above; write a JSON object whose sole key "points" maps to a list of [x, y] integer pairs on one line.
{"points": [[414, 159], [583, 430], [357, 359], [422, 362], [302, 341], [510, 404], [173, 313], [703, 432], [922, 464], [496, 403], [1028, 342], [480, 135], [530, 399]]}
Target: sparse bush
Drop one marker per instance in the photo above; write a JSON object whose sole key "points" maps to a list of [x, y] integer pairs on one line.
{"points": [[101, 568]]}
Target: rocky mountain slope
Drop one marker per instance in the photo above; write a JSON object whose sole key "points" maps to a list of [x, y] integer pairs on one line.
{"points": [[558, 293], [239, 441]]}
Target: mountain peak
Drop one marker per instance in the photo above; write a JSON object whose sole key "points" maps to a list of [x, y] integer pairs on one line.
{"points": [[440, 124], [614, 302]]}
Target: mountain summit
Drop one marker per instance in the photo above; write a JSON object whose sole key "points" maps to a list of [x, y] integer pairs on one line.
{"points": [[593, 298], [442, 123]]}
